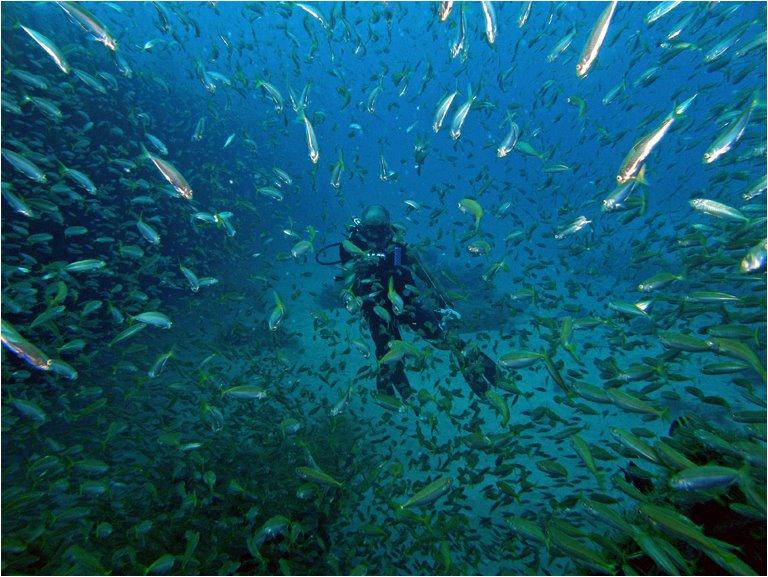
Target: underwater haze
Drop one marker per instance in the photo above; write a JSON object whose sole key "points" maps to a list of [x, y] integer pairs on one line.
{"points": [[190, 387]]}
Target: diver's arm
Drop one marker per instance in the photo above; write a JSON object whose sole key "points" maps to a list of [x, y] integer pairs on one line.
{"points": [[344, 255]]}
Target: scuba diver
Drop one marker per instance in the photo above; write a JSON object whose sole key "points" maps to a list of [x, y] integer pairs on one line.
{"points": [[379, 270]]}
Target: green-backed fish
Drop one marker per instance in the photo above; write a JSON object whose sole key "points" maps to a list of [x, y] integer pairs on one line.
{"points": [[318, 476], [171, 174], [278, 313], [632, 163], [428, 494], [731, 134]]}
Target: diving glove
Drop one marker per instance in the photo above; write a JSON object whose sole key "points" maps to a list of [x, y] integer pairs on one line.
{"points": [[448, 314]]}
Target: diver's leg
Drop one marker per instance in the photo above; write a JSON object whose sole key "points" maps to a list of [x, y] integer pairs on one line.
{"points": [[392, 375], [479, 370]]}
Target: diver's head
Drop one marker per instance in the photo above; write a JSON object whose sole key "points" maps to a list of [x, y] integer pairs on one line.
{"points": [[375, 225]]}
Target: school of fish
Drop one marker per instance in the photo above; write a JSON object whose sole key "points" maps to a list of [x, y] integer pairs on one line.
{"points": [[184, 390]]}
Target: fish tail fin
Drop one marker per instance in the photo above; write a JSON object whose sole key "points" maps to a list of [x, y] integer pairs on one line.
{"points": [[479, 86], [643, 204], [644, 305], [744, 471], [664, 415], [600, 478], [751, 491], [639, 178], [571, 349], [661, 370]]}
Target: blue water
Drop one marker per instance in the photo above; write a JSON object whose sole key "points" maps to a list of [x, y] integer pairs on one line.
{"points": [[140, 464]]}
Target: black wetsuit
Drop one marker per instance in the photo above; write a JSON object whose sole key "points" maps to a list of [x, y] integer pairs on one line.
{"points": [[373, 277]]}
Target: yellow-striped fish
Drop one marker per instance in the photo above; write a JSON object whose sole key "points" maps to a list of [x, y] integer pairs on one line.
{"points": [[50, 49], [596, 38], [171, 174]]}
